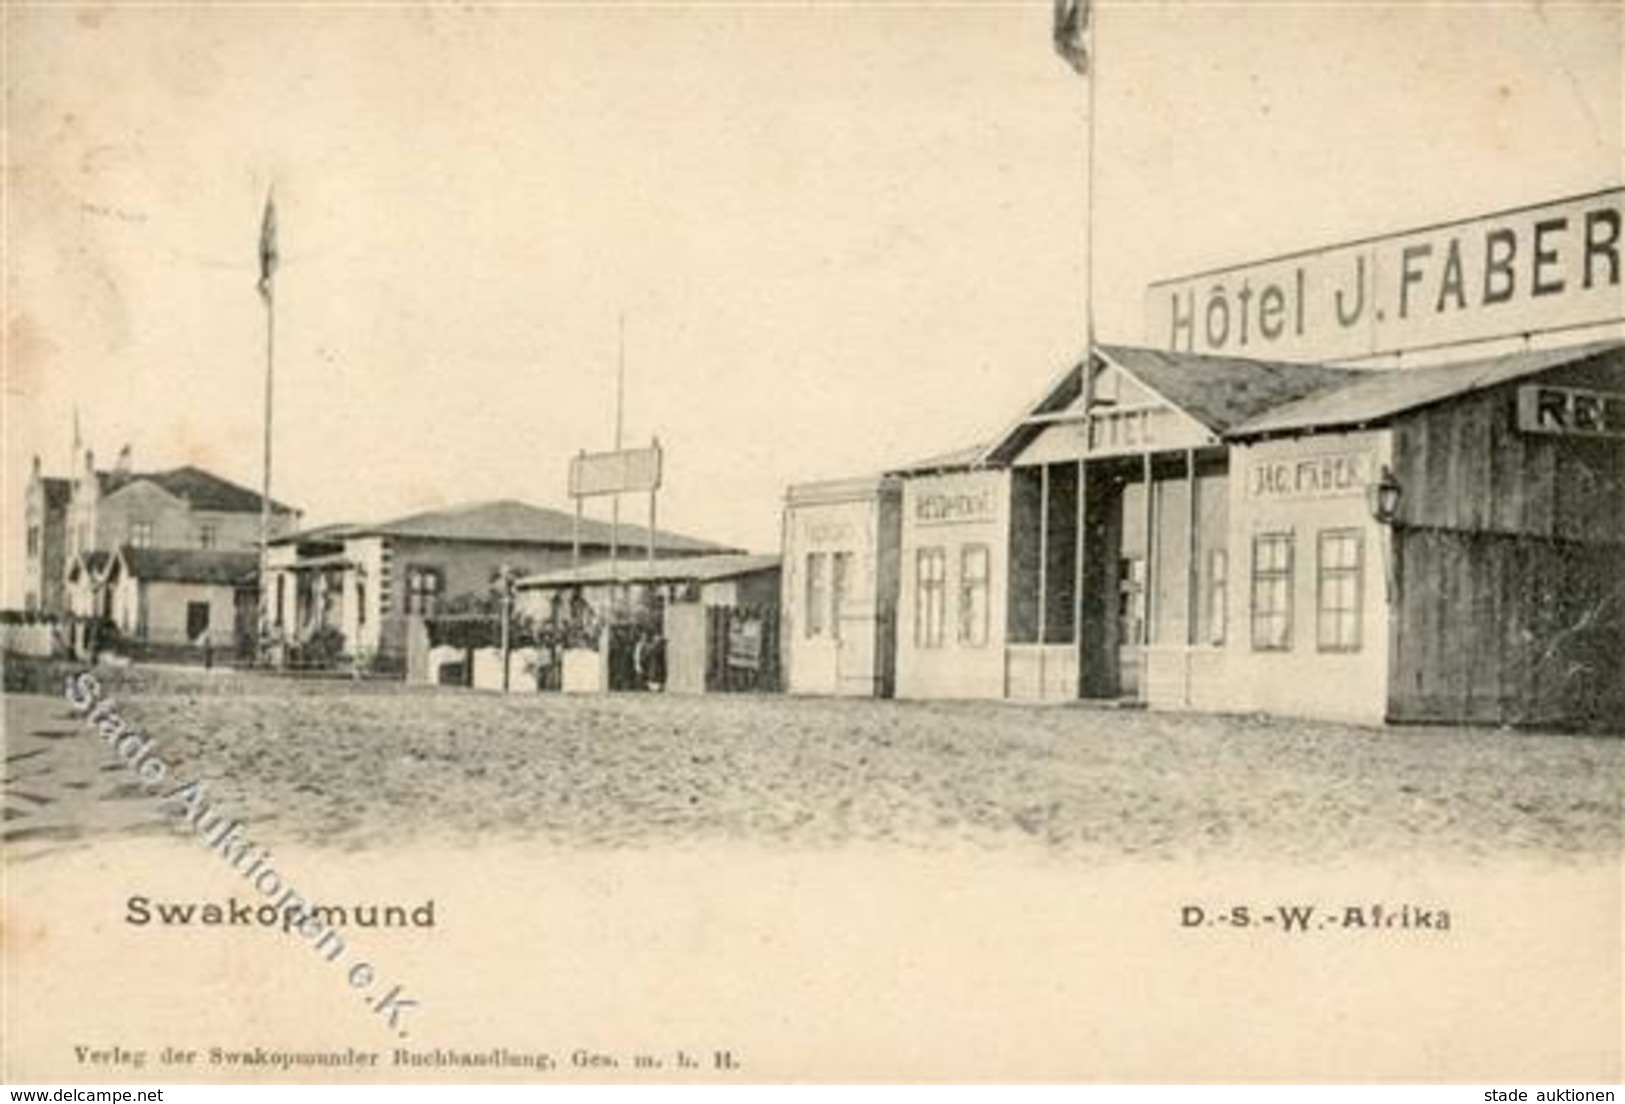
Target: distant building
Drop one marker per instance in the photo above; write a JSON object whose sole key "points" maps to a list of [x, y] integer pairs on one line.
{"points": [[46, 547], [183, 597], [369, 581], [839, 604], [717, 617], [92, 538]]}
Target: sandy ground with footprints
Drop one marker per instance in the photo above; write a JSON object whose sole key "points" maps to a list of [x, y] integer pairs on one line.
{"points": [[341, 765]]}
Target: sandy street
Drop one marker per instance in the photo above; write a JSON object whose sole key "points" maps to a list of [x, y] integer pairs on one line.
{"points": [[337, 765]]}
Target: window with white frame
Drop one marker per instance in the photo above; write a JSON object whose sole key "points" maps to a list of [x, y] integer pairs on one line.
{"points": [[973, 594], [1339, 580], [930, 596], [140, 534], [840, 572], [424, 587], [817, 593], [1272, 592], [1218, 594]]}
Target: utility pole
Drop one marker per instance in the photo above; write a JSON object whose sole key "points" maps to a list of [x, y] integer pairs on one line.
{"points": [[620, 429], [505, 580]]}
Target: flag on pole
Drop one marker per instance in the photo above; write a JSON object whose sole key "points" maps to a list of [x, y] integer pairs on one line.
{"points": [[268, 255], [1072, 33]]}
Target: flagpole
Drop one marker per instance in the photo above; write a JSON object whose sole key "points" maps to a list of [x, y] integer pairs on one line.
{"points": [[620, 425], [1088, 391], [1076, 41], [268, 261], [265, 480]]}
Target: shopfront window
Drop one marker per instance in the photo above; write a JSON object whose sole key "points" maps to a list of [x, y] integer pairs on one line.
{"points": [[930, 573], [817, 597], [1272, 592], [1338, 584], [973, 588]]}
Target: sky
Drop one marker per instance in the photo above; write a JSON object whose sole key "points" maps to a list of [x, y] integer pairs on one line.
{"points": [[842, 236]]}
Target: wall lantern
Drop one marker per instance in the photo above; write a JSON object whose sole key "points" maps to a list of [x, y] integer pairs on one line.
{"points": [[1385, 496]]}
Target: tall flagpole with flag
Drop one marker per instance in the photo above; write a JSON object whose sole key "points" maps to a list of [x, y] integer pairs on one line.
{"points": [[1076, 41], [268, 265], [1073, 42]]}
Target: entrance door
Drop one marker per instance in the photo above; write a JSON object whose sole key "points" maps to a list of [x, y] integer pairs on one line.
{"points": [[1131, 623], [197, 620], [1112, 586]]}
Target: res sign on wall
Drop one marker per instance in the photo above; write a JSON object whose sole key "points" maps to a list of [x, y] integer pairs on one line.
{"points": [[1571, 411], [1553, 266]]}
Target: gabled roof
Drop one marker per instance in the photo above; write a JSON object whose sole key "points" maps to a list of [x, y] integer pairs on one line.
{"points": [[189, 565], [1062, 392], [1376, 396], [1215, 392], [1221, 392], [92, 563], [506, 521], [698, 569], [197, 488]]}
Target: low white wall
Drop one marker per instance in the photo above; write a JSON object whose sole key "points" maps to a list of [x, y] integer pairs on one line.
{"points": [[29, 640]]}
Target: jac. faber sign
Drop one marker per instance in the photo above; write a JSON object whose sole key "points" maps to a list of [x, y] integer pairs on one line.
{"points": [[1325, 476], [1535, 269], [1571, 411]]}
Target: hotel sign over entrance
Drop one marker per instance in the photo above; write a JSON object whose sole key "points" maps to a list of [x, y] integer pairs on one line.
{"points": [[1549, 267]]}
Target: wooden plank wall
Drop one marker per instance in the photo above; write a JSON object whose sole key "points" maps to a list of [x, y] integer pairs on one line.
{"points": [[1510, 564], [1465, 465], [1508, 630]]}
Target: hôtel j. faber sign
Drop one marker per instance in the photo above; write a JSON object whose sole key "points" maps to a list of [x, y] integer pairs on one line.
{"points": [[1549, 267]]}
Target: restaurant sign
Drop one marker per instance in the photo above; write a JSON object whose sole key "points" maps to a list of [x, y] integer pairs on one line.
{"points": [[1571, 411], [1325, 476], [955, 507], [1534, 269]]}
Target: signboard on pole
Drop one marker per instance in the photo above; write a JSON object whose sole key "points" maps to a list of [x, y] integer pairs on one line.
{"points": [[622, 471], [1554, 266]]}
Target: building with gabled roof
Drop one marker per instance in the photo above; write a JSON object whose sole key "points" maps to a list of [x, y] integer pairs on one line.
{"points": [[165, 521], [366, 581], [1432, 543]]}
